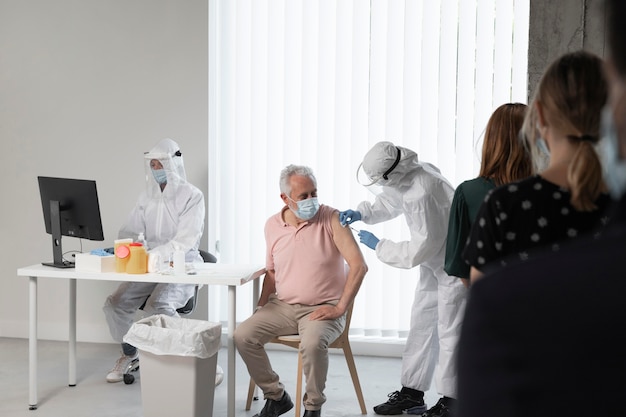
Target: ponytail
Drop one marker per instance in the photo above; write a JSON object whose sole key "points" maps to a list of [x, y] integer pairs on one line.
{"points": [[584, 175]]}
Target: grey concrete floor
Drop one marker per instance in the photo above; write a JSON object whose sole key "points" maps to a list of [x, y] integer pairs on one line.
{"points": [[94, 397]]}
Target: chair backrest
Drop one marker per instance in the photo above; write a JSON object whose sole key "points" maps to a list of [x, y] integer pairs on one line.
{"points": [[191, 303], [207, 257]]}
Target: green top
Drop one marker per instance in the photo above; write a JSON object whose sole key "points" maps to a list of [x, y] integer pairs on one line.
{"points": [[468, 197]]}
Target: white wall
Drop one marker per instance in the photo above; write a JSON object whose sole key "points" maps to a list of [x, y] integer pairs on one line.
{"points": [[86, 86]]}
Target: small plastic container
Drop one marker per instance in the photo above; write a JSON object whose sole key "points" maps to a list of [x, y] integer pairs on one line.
{"points": [[122, 254], [138, 262]]}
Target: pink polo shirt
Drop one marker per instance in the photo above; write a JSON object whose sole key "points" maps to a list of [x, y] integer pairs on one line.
{"points": [[309, 268]]}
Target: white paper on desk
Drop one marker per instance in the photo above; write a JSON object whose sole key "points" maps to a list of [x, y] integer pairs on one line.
{"points": [[164, 335]]}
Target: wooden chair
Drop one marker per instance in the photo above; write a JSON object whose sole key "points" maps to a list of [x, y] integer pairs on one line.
{"points": [[342, 342]]}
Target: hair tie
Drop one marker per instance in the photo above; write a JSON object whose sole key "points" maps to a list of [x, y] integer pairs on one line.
{"points": [[583, 138]]}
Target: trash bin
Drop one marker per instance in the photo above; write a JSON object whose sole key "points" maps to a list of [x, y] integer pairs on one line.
{"points": [[178, 359]]}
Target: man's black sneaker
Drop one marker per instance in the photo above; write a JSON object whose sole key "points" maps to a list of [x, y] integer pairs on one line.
{"points": [[399, 402], [275, 408], [443, 408]]}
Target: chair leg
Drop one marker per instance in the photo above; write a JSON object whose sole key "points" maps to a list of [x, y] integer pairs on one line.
{"points": [[298, 398], [251, 390], [347, 352]]}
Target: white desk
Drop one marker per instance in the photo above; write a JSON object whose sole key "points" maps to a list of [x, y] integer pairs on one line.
{"points": [[207, 274]]}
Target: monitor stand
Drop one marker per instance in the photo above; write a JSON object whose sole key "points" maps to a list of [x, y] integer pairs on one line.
{"points": [[55, 225]]}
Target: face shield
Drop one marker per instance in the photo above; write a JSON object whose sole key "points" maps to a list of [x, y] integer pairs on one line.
{"points": [[163, 168]]}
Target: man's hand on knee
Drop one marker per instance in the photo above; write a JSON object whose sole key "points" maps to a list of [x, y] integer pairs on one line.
{"points": [[326, 312]]}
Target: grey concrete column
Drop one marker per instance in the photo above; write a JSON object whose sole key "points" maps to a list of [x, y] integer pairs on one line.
{"points": [[560, 26]]}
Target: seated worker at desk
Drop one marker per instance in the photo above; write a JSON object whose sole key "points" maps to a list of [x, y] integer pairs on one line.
{"points": [[305, 291], [170, 214]]}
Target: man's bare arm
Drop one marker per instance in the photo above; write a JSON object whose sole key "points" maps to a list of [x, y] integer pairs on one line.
{"points": [[349, 249]]}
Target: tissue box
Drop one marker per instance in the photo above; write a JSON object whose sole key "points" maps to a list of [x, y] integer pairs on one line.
{"points": [[86, 262]]}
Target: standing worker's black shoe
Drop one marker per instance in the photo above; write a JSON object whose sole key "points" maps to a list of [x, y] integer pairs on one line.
{"points": [[406, 400], [274, 408], [443, 408], [312, 413]]}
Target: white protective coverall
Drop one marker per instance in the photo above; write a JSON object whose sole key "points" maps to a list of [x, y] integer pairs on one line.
{"points": [[172, 219], [419, 192]]}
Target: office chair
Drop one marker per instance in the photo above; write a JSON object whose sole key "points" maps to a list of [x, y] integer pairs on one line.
{"points": [[191, 303], [342, 342], [187, 309]]}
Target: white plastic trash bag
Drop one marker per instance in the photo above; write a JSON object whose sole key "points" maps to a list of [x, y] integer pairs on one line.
{"points": [[165, 335]]}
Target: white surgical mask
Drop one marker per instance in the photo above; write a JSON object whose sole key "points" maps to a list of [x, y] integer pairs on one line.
{"points": [[542, 146], [614, 168], [306, 208], [541, 155], [160, 176]]}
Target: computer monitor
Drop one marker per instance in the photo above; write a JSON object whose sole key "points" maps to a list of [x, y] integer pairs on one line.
{"points": [[70, 208]]}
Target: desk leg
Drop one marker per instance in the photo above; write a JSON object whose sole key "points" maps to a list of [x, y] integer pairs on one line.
{"points": [[32, 343], [255, 293], [255, 302], [72, 335], [232, 307]]}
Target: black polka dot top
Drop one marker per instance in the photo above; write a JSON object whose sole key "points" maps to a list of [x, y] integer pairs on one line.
{"points": [[526, 214]]}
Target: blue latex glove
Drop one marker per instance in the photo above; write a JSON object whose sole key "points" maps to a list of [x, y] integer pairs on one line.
{"points": [[349, 216], [368, 239]]}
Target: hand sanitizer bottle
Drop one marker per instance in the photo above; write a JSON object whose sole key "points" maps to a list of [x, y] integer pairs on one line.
{"points": [[142, 239], [179, 262]]}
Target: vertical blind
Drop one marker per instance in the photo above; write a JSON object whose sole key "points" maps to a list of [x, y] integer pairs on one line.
{"points": [[318, 82]]}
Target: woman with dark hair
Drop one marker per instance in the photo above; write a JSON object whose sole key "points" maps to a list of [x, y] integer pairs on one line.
{"points": [[504, 160]]}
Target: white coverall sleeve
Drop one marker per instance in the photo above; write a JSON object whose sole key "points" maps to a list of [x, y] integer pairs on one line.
{"points": [[428, 223], [189, 229], [134, 223], [381, 211]]}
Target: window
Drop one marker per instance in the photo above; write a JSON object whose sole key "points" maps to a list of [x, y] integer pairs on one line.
{"points": [[319, 82]]}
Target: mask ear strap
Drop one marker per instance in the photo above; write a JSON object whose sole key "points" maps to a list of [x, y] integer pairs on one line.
{"points": [[395, 164]]}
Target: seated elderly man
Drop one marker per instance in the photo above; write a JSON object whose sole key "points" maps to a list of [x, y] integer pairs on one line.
{"points": [[306, 291]]}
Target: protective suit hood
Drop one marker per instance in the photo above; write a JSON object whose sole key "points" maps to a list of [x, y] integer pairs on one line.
{"points": [[167, 152], [385, 159]]}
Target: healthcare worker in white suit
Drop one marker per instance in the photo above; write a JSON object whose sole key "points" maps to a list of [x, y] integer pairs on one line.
{"points": [[418, 191], [170, 215]]}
